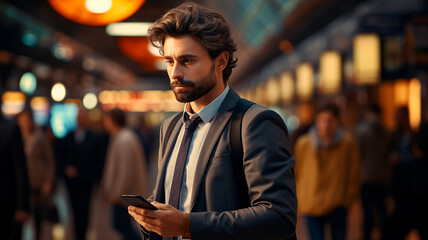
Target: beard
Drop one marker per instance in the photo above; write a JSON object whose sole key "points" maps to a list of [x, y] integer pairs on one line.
{"points": [[197, 89]]}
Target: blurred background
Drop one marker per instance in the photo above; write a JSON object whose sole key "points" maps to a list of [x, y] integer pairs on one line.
{"points": [[60, 59]]}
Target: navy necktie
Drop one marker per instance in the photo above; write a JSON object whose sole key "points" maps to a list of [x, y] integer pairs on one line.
{"points": [[175, 193]]}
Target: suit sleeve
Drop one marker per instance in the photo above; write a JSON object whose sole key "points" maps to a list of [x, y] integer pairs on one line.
{"points": [[269, 173]]}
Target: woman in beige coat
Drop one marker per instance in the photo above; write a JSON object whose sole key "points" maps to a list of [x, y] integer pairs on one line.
{"points": [[125, 171]]}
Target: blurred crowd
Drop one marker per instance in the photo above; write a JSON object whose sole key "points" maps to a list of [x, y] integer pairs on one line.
{"points": [[48, 181], [386, 170]]}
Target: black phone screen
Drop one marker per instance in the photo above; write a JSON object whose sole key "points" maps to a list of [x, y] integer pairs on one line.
{"points": [[137, 201]]}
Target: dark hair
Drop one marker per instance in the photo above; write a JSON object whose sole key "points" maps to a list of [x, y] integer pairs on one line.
{"points": [[328, 107], [195, 20], [118, 117]]}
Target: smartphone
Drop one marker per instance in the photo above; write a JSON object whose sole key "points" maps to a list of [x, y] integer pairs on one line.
{"points": [[137, 201]]}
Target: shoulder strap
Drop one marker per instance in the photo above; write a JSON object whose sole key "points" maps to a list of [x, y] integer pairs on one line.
{"points": [[169, 131], [235, 144]]}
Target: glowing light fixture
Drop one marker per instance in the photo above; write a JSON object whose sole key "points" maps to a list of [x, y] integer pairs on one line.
{"points": [[40, 107], [28, 83], [96, 12], [305, 81], [13, 103], [286, 87], [90, 101], [401, 93], [367, 58], [415, 103], [272, 91], [63, 119], [330, 72], [58, 92], [98, 6], [128, 29]]}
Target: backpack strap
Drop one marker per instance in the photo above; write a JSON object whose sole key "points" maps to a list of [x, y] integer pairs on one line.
{"points": [[236, 149], [169, 131]]}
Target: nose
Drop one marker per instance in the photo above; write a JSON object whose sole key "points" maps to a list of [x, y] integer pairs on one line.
{"points": [[176, 71]]}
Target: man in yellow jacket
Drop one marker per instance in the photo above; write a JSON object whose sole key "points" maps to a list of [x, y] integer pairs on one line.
{"points": [[327, 174]]}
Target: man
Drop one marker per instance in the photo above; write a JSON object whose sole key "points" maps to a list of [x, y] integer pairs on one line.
{"points": [[198, 49], [327, 174], [373, 140], [14, 189], [125, 170], [409, 190], [79, 162]]}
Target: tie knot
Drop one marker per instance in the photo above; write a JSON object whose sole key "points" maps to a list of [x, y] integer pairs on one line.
{"points": [[191, 124]]}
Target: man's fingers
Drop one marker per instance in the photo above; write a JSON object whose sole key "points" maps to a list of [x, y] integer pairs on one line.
{"points": [[142, 211], [148, 223], [144, 219]]}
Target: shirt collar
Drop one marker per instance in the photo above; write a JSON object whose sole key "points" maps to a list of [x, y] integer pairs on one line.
{"points": [[208, 112]]}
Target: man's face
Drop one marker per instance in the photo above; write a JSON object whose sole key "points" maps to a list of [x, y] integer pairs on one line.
{"points": [[326, 124], [190, 68]]}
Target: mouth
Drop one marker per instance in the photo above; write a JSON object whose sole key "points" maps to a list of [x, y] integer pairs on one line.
{"points": [[181, 85]]}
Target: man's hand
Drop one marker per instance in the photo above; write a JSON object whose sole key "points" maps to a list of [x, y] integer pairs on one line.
{"points": [[167, 221]]}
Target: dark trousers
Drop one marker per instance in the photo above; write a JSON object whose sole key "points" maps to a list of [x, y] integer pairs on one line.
{"points": [[80, 199], [122, 223], [337, 221], [373, 196]]}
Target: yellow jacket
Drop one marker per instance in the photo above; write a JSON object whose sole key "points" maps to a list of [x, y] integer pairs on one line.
{"points": [[326, 177]]}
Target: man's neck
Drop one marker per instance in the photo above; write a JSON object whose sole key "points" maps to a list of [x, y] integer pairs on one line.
{"points": [[199, 104]]}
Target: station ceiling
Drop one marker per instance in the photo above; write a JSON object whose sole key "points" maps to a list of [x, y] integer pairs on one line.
{"points": [[259, 26]]}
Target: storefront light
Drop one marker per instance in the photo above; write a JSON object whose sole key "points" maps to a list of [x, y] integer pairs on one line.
{"points": [[367, 59], [305, 81], [330, 72]]}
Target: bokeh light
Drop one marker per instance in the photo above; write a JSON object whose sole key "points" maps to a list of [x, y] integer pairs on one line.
{"points": [[28, 83], [98, 6], [58, 92], [90, 101]]}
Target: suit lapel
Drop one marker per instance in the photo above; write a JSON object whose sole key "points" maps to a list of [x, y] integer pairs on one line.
{"points": [[218, 124], [160, 193]]}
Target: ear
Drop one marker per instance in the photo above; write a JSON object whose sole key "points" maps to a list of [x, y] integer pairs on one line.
{"points": [[221, 61]]}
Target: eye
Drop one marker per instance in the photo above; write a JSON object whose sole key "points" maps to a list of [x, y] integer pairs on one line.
{"points": [[188, 61], [169, 62]]}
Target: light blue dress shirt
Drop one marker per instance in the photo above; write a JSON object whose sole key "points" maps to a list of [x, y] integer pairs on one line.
{"points": [[207, 114]]}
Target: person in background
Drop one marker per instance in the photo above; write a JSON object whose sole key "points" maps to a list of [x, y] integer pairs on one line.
{"points": [[403, 138], [409, 189], [40, 164], [125, 171], [79, 164], [327, 174], [14, 189], [373, 140]]}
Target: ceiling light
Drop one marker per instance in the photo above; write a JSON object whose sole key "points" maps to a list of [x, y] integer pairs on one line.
{"points": [[98, 6], [128, 29]]}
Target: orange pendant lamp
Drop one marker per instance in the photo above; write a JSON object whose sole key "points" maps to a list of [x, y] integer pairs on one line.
{"points": [[136, 48], [96, 12]]}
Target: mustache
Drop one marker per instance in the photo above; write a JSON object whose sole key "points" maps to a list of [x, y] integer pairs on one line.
{"points": [[176, 83]]}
